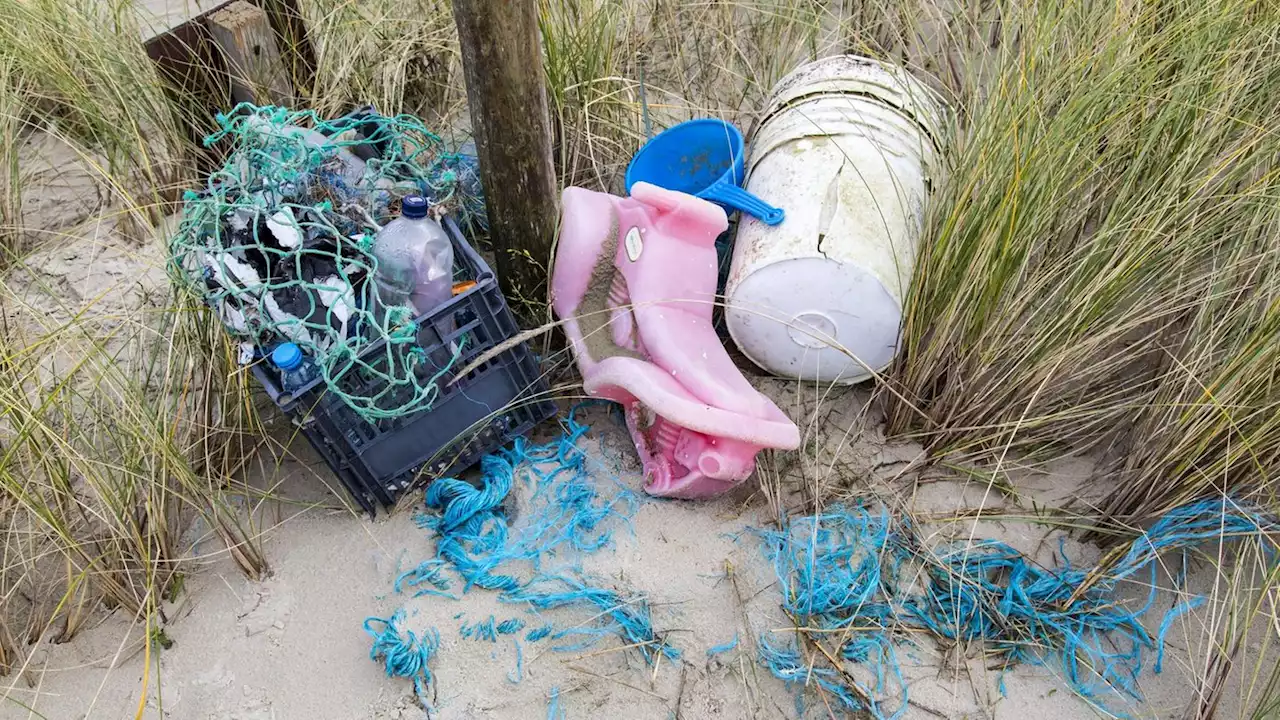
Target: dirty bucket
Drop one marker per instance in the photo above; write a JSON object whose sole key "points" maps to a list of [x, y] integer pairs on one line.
{"points": [[850, 147]]}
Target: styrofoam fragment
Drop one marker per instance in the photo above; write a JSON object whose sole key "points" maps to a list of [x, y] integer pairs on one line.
{"points": [[341, 299], [285, 228]]}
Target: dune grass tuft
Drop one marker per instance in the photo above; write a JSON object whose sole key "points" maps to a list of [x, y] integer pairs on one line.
{"points": [[1097, 271]]}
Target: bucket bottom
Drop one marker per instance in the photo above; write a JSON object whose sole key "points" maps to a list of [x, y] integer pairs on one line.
{"points": [[815, 319]]}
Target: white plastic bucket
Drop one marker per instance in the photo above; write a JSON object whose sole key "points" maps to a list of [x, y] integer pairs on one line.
{"points": [[849, 147]]}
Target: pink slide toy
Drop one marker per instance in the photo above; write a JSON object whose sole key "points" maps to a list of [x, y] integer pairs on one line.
{"points": [[635, 282]]}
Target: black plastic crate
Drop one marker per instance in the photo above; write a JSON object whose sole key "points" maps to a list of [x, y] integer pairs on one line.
{"points": [[478, 413]]}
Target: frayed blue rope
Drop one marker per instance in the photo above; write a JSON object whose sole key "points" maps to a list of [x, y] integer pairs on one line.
{"points": [[436, 593], [569, 510], [480, 631], [538, 633], [841, 570], [403, 653], [722, 648], [473, 533], [460, 501], [427, 571], [510, 627], [631, 617], [517, 675], [1185, 606], [785, 664], [554, 711]]}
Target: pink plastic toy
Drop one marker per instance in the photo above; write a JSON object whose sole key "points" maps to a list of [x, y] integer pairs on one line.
{"points": [[635, 282]]}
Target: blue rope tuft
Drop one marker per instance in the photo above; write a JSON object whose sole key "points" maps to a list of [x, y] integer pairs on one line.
{"points": [[510, 627], [538, 633], [630, 617], [722, 648], [554, 711], [518, 674], [403, 653]]}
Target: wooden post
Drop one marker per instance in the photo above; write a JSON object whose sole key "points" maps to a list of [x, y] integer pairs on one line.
{"points": [[291, 35], [258, 73], [502, 63]]}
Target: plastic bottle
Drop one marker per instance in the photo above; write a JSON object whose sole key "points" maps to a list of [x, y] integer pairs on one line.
{"points": [[415, 260], [296, 369], [352, 167]]}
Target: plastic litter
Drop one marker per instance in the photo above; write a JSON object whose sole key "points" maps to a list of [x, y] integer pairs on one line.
{"points": [[279, 242], [851, 569], [704, 158], [630, 616], [554, 711], [403, 653], [296, 370], [415, 260], [634, 281], [852, 148], [538, 633], [568, 510], [723, 647]]}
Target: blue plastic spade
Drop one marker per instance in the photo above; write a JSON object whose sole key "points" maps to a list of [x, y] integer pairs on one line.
{"points": [[702, 158]]}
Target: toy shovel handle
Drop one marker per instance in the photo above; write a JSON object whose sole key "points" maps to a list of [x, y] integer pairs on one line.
{"points": [[739, 199]]}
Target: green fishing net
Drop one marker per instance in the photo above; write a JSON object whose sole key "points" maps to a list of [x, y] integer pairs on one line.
{"points": [[279, 244]]}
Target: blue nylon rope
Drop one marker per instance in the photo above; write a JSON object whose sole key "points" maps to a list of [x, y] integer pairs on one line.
{"points": [[723, 647], [484, 630], [631, 617], [510, 627], [404, 653], [538, 633], [554, 711], [517, 675], [841, 569], [570, 510]]}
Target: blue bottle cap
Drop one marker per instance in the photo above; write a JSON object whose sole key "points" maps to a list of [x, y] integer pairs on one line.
{"points": [[287, 356], [414, 207]]}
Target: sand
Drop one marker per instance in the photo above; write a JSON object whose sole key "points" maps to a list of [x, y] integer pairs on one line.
{"points": [[292, 646]]}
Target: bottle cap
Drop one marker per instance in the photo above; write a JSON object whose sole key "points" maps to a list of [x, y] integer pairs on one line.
{"points": [[414, 207], [287, 356]]}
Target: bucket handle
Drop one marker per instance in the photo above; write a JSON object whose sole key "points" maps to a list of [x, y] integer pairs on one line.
{"points": [[735, 197]]}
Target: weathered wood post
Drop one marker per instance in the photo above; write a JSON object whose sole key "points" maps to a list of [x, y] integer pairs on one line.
{"points": [[257, 69], [502, 64]]}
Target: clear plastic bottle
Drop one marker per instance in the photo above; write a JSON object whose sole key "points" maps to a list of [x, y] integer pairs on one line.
{"points": [[296, 369], [415, 260]]}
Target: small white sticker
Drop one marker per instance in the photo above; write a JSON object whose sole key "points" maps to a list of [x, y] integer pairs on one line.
{"points": [[634, 244]]}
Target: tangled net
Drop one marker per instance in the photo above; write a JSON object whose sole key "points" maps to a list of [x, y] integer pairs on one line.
{"points": [[279, 244]]}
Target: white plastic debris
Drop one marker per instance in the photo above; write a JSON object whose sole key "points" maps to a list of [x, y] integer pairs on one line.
{"points": [[284, 226], [341, 299], [239, 219], [288, 324], [231, 316], [220, 263]]}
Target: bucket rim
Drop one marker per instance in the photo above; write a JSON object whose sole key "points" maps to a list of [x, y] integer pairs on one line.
{"points": [[881, 82]]}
